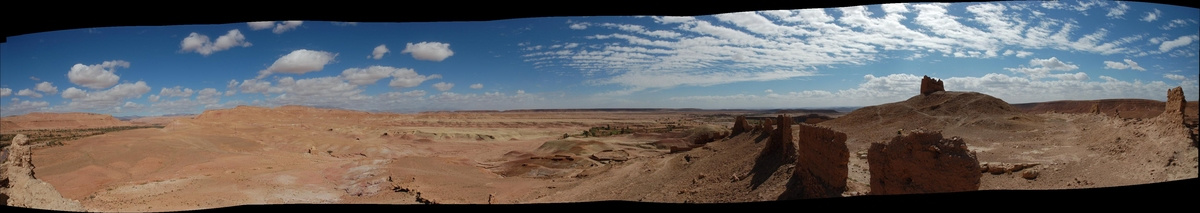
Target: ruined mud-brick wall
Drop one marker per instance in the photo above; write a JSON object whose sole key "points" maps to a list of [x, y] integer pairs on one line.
{"points": [[1175, 104], [929, 85], [922, 162], [780, 139], [822, 161], [739, 125]]}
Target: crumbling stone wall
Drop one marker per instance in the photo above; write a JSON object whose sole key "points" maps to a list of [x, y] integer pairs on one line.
{"points": [[929, 85], [822, 162], [922, 162]]}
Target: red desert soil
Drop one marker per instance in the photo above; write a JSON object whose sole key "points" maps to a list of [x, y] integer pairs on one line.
{"points": [[291, 154], [39, 120]]}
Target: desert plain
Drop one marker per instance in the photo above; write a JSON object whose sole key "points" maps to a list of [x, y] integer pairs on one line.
{"points": [[296, 154]]}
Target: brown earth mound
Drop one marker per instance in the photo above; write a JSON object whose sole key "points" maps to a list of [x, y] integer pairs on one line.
{"points": [[933, 111], [1127, 108], [43, 120], [922, 162]]}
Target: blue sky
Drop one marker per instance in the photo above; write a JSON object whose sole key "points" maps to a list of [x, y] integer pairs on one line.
{"points": [[819, 57]]}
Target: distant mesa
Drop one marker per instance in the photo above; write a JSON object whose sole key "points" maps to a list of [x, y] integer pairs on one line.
{"points": [[930, 85], [46, 120], [922, 162]]}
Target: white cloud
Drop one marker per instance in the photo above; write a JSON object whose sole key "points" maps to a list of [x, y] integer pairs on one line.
{"points": [[129, 104], [1040, 68], [104, 99], [230, 92], [175, 92], [201, 44], [30, 93], [1179, 42], [579, 26], [405, 78], [285, 26], [299, 62], [1118, 11], [321, 91], [260, 25], [443, 86], [402, 77], [23, 107], [1079, 76], [1174, 77], [208, 96], [47, 87], [1151, 16], [1178, 23], [5, 92], [379, 51], [255, 86], [1129, 64], [477, 86], [769, 91], [96, 76], [153, 98], [429, 51]]}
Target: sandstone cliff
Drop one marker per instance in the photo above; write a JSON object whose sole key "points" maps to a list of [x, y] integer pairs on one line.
{"points": [[20, 186]]}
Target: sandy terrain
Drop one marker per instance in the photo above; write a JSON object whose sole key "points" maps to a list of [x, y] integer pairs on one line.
{"points": [[292, 154]]}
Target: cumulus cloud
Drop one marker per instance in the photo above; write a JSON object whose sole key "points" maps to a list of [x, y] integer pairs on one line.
{"points": [[153, 98], [285, 26], [1174, 77], [477, 86], [201, 44], [429, 51], [443, 86], [30, 93], [1040, 68], [96, 76], [405, 78], [1129, 64], [1151, 16], [1118, 11], [579, 26], [260, 25], [104, 99], [5, 92], [254, 86], [175, 92], [1179, 42], [23, 107], [47, 87], [379, 51], [299, 62], [321, 92]]}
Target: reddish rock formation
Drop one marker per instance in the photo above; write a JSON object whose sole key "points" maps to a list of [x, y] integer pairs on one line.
{"points": [[922, 162], [822, 162], [929, 85], [1175, 104], [23, 189], [740, 125]]}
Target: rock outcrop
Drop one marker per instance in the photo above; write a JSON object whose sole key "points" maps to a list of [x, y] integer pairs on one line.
{"points": [[922, 162], [22, 189], [822, 162], [929, 85], [740, 125], [1175, 104], [766, 126]]}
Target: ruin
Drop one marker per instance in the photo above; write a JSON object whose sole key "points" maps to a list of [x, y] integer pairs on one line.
{"points": [[1175, 104], [739, 125], [780, 142], [822, 162], [929, 85], [922, 162], [22, 188]]}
